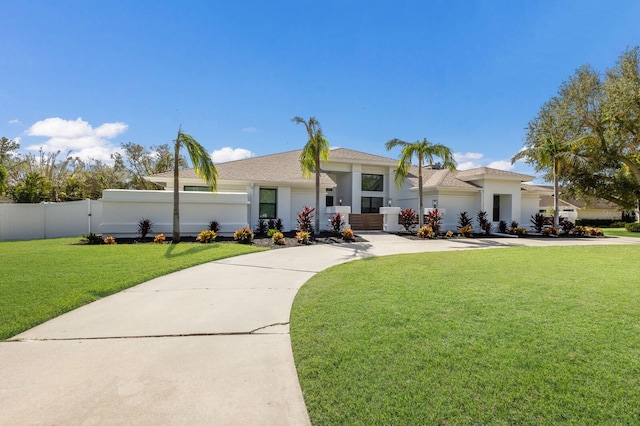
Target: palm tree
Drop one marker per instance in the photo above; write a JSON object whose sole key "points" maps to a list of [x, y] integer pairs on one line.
{"points": [[316, 150], [425, 151], [202, 165], [554, 154]]}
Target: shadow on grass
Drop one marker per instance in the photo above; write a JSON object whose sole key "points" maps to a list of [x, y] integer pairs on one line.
{"points": [[481, 242], [195, 248]]}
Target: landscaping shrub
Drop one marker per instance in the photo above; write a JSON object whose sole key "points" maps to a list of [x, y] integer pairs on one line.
{"points": [[278, 238], [514, 224], [302, 237], [144, 227], [539, 221], [262, 227], [275, 224], [347, 234], [465, 231], [579, 230], [566, 225], [110, 240], [434, 220], [632, 227], [305, 220], [484, 223], [502, 227], [206, 236], [518, 231], [92, 238], [243, 236], [159, 239], [214, 226], [605, 223], [271, 232], [594, 232], [549, 231], [408, 219], [337, 223], [448, 234], [465, 220], [426, 232]]}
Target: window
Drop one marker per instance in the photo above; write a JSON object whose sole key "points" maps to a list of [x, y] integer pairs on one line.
{"points": [[371, 204], [197, 188], [329, 200], [496, 208], [372, 182], [268, 206]]}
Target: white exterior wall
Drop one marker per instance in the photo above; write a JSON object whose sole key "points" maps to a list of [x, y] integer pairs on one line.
{"points": [[123, 209], [530, 206], [455, 203], [49, 220], [301, 198], [606, 214], [509, 188]]}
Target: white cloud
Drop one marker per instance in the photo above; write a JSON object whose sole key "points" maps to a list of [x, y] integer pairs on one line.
{"points": [[249, 129], [77, 136], [501, 165], [15, 121], [230, 154], [468, 160]]}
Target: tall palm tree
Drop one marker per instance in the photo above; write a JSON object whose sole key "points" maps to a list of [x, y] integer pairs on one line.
{"points": [[316, 150], [202, 165], [425, 151], [553, 154]]}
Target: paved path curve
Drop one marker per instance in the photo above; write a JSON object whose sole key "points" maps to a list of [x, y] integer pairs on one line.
{"points": [[206, 345]]}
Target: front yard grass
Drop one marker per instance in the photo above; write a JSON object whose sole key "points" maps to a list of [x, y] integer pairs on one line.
{"points": [[45, 278], [619, 232], [505, 336]]}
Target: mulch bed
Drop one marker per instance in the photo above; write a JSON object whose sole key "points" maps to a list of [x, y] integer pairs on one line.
{"points": [[258, 240]]}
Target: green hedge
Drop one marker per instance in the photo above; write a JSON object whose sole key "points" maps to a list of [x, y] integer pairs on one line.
{"points": [[633, 227], [599, 223]]}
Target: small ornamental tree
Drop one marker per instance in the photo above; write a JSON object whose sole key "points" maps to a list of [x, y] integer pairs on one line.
{"points": [[337, 223], [434, 220], [464, 220], [408, 219], [483, 221], [305, 220]]}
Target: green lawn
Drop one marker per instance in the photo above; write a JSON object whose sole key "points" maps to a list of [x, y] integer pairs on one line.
{"points": [[45, 278], [504, 336], [619, 232]]}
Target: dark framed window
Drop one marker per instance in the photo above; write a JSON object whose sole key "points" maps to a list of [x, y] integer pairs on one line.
{"points": [[496, 208], [372, 182], [268, 203], [329, 200], [197, 188], [371, 204]]}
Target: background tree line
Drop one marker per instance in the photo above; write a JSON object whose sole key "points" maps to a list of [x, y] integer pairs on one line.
{"points": [[587, 137], [49, 176]]}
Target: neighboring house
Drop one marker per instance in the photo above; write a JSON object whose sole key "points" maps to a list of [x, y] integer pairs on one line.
{"points": [[572, 209], [362, 185]]}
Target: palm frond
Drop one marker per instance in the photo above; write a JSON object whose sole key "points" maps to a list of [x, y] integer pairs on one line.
{"points": [[201, 160]]}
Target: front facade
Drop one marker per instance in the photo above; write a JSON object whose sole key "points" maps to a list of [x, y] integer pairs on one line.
{"points": [[362, 185]]}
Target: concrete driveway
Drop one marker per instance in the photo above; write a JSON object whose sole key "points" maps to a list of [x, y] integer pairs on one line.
{"points": [[206, 345]]}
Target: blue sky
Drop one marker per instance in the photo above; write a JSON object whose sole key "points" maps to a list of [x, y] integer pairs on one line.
{"points": [[90, 75]]}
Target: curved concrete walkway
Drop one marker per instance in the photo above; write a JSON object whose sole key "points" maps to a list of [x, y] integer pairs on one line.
{"points": [[206, 345]]}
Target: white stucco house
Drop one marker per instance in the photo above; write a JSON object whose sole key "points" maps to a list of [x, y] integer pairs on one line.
{"points": [[354, 183]]}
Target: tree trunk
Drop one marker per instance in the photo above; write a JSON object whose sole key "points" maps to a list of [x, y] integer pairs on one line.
{"points": [[316, 230], [175, 239], [420, 201], [556, 201]]}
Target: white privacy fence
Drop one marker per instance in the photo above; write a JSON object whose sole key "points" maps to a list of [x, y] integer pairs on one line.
{"points": [[119, 212], [49, 220], [123, 210]]}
